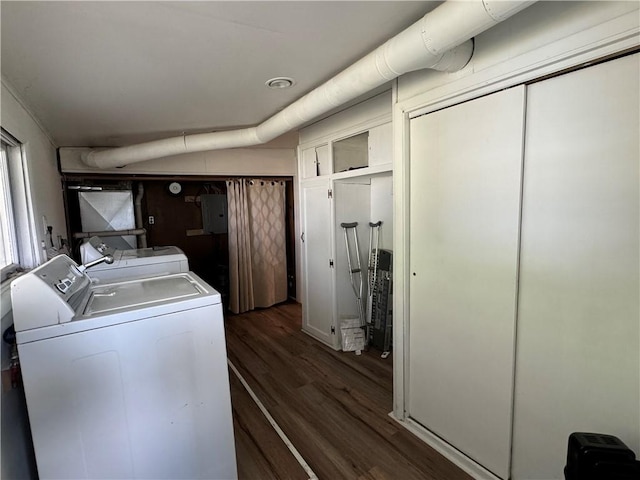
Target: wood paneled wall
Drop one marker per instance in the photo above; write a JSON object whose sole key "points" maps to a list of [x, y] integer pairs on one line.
{"points": [[177, 220]]}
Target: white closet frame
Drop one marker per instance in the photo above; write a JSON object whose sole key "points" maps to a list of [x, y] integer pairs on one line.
{"points": [[602, 31]]}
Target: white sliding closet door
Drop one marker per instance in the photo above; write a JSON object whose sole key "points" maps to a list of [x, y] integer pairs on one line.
{"points": [[466, 170], [578, 361]]}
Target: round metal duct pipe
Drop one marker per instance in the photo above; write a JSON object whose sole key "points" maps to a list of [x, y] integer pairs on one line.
{"points": [[440, 40]]}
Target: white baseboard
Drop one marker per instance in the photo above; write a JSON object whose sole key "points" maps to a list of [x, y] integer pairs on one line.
{"points": [[449, 452]]}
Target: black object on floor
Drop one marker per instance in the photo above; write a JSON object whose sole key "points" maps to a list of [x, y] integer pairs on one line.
{"points": [[597, 456]]}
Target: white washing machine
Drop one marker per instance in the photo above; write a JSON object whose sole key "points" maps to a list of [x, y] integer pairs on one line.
{"points": [[124, 380], [141, 262]]}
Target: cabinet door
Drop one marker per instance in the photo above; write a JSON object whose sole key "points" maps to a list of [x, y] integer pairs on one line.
{"points": [[466, 167], [309, 163], [578, 356], [318, 298], [315, 161], [381, 145]]}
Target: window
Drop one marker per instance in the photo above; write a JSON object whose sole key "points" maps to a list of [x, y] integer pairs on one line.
{"points": [[17, 247], [9, 255]]}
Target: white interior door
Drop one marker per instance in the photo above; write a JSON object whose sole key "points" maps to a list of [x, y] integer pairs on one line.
{"points": [[466, 167], [318, 298], [578, 360]]}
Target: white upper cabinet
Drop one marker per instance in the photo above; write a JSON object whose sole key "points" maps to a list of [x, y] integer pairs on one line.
{"points": [[314, 162]]}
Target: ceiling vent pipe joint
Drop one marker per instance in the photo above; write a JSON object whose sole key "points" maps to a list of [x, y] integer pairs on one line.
{"points": [[440, 40], [382, 65]]}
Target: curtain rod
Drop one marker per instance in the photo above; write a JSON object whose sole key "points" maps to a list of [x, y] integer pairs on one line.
{"points": [[258, 179], [192, 178]]}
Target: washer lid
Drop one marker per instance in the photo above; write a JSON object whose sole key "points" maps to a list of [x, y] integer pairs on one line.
{"points": [[136, 294], [130, 301]]}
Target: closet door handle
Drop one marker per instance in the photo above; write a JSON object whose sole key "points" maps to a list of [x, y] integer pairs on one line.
{"points": [[302, 237]]}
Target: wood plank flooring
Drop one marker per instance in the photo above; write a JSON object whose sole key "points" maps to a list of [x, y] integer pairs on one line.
{"points": [[333, 406], [260, 451]]}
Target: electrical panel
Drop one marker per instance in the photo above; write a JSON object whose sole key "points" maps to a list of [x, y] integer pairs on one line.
{"points": [[214, 213]]}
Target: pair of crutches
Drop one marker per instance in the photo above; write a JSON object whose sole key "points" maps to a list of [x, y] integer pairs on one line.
{"points": [[365, 313]]}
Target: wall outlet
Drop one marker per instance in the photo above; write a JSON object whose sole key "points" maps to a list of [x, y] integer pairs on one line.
{"points": [[152, 220]]}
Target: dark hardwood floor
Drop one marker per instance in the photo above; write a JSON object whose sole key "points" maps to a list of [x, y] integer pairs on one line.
{"points": [[260, 451], [333, 406]]}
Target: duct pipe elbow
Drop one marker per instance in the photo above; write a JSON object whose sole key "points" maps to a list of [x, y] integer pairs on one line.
{"points": [[122, 156], [455, 21], [88, 158], [455, 59]]}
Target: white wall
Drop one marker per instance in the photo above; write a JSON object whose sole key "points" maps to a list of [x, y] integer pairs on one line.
{"points": [[42, 177], [43, 181], [350, 121], [382, 208]]}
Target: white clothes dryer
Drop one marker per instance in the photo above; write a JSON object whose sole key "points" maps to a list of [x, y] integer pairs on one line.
{"points": [[141, 262]]}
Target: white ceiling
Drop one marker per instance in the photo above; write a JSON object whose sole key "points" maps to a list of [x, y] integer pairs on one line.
{"points": [[116, 73]]}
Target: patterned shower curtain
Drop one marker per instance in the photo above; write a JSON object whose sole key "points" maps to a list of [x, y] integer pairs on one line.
{"points": [[257, 249]]}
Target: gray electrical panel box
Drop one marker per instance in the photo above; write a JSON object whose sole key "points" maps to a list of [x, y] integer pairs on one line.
{"points": [[214, 213]]}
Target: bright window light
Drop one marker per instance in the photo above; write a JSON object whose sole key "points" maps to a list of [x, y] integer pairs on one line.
{"points": [[9, 254]]}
